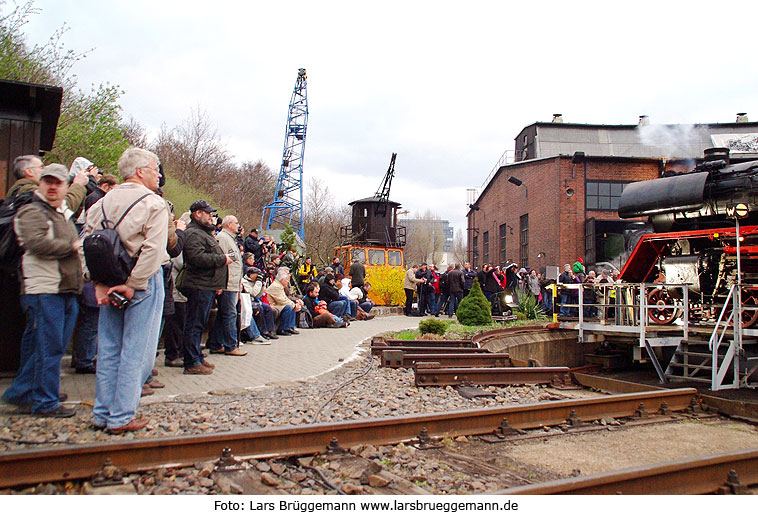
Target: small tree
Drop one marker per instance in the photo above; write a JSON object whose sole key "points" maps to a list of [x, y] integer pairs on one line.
{"points": [[288, 238], [475, 309]]}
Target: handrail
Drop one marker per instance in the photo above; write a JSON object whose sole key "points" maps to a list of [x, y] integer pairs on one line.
{"points": [[715, 341]]}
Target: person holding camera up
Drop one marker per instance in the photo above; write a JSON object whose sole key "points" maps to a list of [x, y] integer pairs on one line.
{"points": [[223, 335], [254, 245], [205, 275]]}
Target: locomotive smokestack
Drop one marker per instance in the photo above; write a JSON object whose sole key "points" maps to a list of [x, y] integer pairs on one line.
{"points": [[644, 120], [557, 118], [741, 117]]}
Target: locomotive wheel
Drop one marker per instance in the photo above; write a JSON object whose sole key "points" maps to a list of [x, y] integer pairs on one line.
{"points": [[749, 317], [659, 302]]}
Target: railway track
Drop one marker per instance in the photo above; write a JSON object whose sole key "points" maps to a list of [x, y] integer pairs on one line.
{"points": [[80, 462], [728, 473]]}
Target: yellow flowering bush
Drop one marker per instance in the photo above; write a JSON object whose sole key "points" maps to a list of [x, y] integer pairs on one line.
{"points": [[386, 284]]}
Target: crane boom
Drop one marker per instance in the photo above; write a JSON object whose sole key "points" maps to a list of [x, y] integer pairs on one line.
{"points": [[286, 207]]}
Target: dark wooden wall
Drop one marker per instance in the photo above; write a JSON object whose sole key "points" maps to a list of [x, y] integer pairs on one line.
{"points": [[17, 137]]}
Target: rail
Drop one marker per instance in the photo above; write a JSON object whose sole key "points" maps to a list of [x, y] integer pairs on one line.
{"points": [[80, 461], [728, 473]]}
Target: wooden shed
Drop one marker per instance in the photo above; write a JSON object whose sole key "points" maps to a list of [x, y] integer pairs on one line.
{"points": [[28, 119]]}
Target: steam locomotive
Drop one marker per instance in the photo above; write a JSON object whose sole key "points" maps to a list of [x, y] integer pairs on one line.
{"points": [[695, 237]]}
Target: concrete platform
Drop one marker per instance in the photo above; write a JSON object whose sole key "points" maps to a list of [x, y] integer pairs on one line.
{"points": [[311, 353]]}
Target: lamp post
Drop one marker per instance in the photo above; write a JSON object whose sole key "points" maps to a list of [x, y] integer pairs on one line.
{"points": [[515, 181]]}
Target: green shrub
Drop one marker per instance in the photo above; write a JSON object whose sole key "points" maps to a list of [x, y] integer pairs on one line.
{"points": [[474, 308], [520, 316], [528, 307], [432, 326]]}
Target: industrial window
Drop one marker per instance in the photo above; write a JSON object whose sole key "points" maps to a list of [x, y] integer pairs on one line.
{"points": [[603, 196], [486, 247], [359, 255], [375, 257], [395, 257], [524, 238], [503, 232]]}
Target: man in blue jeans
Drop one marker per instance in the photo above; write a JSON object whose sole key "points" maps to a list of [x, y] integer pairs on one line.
{"points": [[128, 334], [52, 277], [205, 276], [223, 336]]}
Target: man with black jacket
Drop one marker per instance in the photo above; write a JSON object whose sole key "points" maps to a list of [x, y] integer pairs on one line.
{"points": [[455, 283], [205, 275], [468, 278], [424, 275], [254, 245]]}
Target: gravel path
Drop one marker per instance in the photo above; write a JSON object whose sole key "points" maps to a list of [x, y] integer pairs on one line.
{"points": [[360, 389]]}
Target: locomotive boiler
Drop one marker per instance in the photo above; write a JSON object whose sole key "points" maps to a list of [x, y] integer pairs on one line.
{"points": [[695, 238]]}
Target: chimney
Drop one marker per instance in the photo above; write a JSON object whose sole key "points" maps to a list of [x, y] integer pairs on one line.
{"points": [[741, 117], [557, 118], [644, 120]]}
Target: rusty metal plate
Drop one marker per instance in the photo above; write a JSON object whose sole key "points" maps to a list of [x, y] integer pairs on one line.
{"points": [[490, 376], [454, 359]]}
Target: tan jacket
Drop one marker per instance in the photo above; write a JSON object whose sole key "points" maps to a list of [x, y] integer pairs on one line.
{"points": [[228, 244], [143, 232], [50, 265], [410, 280], [277, 297]]}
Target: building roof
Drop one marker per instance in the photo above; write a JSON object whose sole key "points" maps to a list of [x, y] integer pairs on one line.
{"points": [[374, 200], [650, 141], [32, 102]]}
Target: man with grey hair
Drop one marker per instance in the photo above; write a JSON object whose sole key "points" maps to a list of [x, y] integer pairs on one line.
{"points": [[278, 297], [27, 170], [567, 277], [128, 333], [223, 335]]}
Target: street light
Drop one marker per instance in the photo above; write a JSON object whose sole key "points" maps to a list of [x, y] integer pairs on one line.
{"points": [[515, 181]]}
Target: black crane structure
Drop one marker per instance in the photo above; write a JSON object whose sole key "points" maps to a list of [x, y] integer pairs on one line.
{"points": [[383, 192]]}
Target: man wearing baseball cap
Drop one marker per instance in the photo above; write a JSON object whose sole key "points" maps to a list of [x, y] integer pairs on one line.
{"points": [[52, 278], [205, 275]]}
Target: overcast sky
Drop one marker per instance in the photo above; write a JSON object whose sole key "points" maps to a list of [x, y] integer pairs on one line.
{"points": [[446, 85]]}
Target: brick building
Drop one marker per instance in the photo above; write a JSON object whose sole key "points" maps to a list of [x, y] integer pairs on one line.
{"points": [[559, 199], [564, 208]]}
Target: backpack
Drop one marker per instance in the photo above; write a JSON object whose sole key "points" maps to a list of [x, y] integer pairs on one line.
{"points": [[304, 319], [10, 250], [444, 286], [107, 259]]}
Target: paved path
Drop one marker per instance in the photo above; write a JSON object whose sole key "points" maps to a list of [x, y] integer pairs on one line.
{"points": [[313, 352]]}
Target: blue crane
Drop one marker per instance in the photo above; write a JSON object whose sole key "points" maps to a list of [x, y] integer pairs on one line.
{"points": [[287, 205]]}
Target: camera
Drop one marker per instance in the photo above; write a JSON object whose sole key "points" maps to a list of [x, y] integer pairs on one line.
{"points": [[119, 300], [233, 255]]}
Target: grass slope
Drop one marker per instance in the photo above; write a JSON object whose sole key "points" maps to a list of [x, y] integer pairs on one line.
{"points": [[183, 195]]}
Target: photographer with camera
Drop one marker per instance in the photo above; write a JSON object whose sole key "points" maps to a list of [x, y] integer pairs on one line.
{"points": [[205, 275], [254, 245], [223, 334]]}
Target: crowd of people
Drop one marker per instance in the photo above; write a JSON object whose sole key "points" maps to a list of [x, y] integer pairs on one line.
{"points": [[179, 269], [434, 292]]}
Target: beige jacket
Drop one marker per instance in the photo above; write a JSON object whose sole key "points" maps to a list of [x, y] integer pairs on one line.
{"points": [[50, 265], [277, 297], [229, 245], [410, 280], [143, 232]]}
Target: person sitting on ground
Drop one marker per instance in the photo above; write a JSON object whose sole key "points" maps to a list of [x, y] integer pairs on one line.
{"points": [[318, 309], [364, 303], [280, 301], [336, 303], [263, 315], [343, 286]]}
